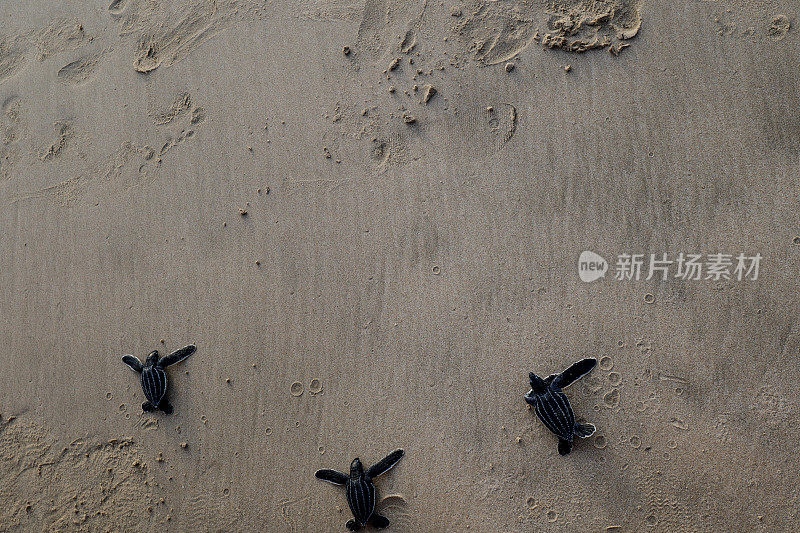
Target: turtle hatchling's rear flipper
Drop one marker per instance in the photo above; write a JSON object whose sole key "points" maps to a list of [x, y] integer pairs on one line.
{"points": [[177, 356], [564, 447], [584, 430], [147, 407], [378, 521], [166, 407], [352, 525], [574, 372], [332, 476], [385, 464], [132, 362]]}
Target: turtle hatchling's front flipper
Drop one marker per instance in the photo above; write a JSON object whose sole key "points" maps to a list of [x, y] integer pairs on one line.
{"points": [[385, 464], [331, 476], [575, 372], [132, 362], [177, 356]]}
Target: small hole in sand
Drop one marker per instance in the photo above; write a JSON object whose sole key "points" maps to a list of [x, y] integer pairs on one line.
{"points": [[296, 389], [606, 363], [611, 398], [649, 298]]}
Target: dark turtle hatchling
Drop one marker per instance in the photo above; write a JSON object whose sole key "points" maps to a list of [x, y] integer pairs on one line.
{"points": [[154, 379], [361, 491], [553, 408]]}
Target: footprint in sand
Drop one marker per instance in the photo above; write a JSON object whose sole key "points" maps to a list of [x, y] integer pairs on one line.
{"points": [[81, 69]]}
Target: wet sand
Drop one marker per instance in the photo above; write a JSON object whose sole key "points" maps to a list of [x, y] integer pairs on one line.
{"points": [[368, 215]]}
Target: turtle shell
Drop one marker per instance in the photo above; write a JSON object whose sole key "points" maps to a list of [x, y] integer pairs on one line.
{"points": [[154, 384], [553, 409], [361, 498]]}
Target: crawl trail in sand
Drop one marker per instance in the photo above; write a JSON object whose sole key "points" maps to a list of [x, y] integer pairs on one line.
{"points": [[498, 31], [97, 486]]}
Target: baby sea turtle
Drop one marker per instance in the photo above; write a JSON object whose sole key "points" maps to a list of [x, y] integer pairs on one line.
{"points": [[361, 491], [553, 408], [154, 379]]}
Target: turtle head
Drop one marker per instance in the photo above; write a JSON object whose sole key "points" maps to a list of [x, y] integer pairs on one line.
{"points": [[356, 469], [152, 359], [538, 385]]}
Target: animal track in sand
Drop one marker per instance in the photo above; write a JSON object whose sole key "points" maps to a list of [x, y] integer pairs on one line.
{"points": [[168, 35], [81, 69], [332, 10], [503, 123], [295, 512], [382, 21], [207, 508], [485, 129], [61, 34], [10, 126], [779, 27], [753, 21], [64, 131], [396, 506], [117, 6], [127, 166], [89, 486], [611, 398], [775, 408], [497, 32], [180, 105], [12, 56]]}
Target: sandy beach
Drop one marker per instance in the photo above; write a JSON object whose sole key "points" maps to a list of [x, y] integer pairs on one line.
{"points": [[368, 216]]}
